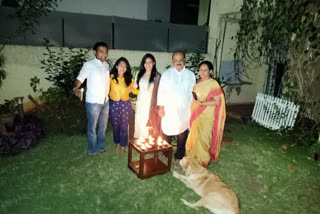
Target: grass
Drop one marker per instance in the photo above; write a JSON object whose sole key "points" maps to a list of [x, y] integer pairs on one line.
{"points": [[268, 172]]}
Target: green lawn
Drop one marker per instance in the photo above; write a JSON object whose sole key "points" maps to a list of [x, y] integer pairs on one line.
{"points": [[58, 177]]}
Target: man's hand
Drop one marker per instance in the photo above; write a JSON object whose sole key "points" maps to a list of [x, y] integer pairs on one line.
{"points": [[77, 92], [161, 111]]}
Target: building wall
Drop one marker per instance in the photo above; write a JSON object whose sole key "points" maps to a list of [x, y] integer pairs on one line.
{"points": [[256, 74], [23, 63], [135, 9], [159, 10], [203, 11]]}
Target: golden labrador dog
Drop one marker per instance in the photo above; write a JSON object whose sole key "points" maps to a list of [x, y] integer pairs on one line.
{"points": [[215, 195]]}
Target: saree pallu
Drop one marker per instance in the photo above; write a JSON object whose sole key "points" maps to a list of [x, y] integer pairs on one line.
{"points": [[206, 124], [154, 120]]}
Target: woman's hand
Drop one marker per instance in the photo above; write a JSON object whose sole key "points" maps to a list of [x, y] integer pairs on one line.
{"points": [[213, 102], [161, 111], [197, 101], [133, 87]]}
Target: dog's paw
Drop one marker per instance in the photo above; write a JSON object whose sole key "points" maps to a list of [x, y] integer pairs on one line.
{"points": [[175, 174]]}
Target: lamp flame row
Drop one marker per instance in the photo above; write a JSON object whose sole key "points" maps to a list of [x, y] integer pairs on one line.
{"points": [[144, 145]]}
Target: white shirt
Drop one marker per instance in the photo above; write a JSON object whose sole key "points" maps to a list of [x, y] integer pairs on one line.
{"points": [[98, 83], [175, 94]]}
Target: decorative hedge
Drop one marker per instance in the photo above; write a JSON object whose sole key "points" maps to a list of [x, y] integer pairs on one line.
{"points": [[25, 134]]}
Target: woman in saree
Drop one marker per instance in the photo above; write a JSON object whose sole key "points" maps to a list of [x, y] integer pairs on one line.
{"points": [[207, 120]]}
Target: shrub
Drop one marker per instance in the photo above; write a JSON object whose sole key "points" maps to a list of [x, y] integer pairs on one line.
{"points": [[25, 135], [9, 107], [62, 67]]}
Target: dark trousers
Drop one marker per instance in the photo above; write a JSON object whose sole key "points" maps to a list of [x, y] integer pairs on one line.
{"points": [[181, 143], [119, 118]]}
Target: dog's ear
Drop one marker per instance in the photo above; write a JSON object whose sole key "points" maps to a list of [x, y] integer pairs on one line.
{"points": [[189, 165], [188, 170], [194, 166], [184, 161], [186, 165]]}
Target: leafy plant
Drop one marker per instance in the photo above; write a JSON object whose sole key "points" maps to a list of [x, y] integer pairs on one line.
{"points": [[63, 116], [285, 32], [54, 95], [62, 68], [134, 70], [110, 62], [192, 62], [29, 12], [34, 83], [9, 107]]}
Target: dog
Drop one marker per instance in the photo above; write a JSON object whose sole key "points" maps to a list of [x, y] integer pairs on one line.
{"points": [[215, 195]]}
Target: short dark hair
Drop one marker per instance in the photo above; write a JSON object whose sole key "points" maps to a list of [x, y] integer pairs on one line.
{"points": [[181, 52], [102, 44]]}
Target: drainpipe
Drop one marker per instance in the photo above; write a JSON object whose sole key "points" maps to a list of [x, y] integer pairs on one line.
{"points": [[19, 100]]}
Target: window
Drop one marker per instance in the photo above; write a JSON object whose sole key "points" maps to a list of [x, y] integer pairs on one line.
{"points": [[184, 12], [9, 3]]}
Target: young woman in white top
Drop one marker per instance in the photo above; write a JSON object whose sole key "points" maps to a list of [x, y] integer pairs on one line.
{"points": [[147, 120]]}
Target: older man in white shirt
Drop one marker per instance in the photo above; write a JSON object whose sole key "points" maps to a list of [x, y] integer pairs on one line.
{"points": [[97, 73], [174, 99]]}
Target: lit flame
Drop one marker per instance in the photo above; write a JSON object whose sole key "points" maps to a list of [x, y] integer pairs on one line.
{"points": [[143, 147]]}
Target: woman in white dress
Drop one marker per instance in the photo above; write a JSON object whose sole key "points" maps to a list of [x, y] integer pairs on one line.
{"points": [[147, 121]]}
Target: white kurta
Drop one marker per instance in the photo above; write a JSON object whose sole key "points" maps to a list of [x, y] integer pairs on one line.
{"points": [[175, 94], [143, 107]]}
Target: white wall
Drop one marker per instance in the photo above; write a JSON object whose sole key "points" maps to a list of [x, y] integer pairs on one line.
{"points": [[159, 10], [256, 74], [136, 9], [23, 63], [203, 11]]}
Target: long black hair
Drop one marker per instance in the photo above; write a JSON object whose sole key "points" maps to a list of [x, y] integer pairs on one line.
{"points": [[143, 69], [127, 75]]}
